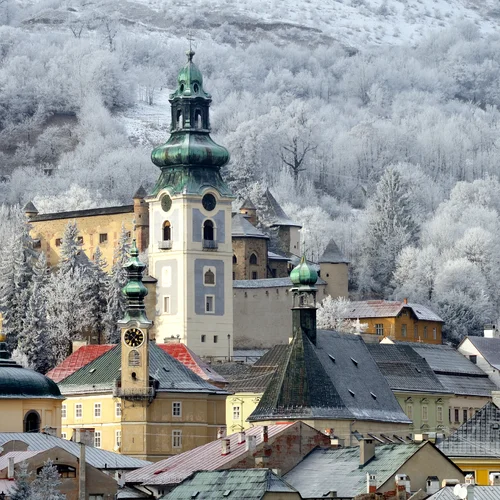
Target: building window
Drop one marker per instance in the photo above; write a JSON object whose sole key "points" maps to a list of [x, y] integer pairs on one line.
{"points": [[216, 339], [197, 119], [134, 358], [176, 409], [63, 411], [179, 117], [434, 333], [457, 415], [236, 412], [37, 244], [473, 358], [425, 412], [79, 240], [403, 330], [103, 238], [415, 332], [78, 410], [253, 260], [97, 439], [176, 439], [235, 260], [167, 231], [166, 304], [425, 332], [273, 272], [32, 421], [379, 329], [209, 304], [209, 277], [465, 415], [203, 338], [409, 411], [254, 275], [118, 438], [58, 242], [439, 413], [208, 230], [118, 409], [97, 410]]}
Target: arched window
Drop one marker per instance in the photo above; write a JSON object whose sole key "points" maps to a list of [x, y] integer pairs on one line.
{"points": [[167, 231], [134, 358], [32, 421], [253, 259], [197, 119], [209, 278], [179, 121], [208, 230], [235, 260]]}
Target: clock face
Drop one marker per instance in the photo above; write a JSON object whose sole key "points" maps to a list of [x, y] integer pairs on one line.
{"points": [[166, 203], [209, 202], [133, 337]]}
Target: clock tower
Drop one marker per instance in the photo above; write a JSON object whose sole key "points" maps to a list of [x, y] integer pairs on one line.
{"points": [[135, 332], [190, 248]]}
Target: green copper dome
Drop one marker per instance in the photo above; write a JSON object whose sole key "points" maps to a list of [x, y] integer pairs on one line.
{"points": [[190, 80], [303, 274]]}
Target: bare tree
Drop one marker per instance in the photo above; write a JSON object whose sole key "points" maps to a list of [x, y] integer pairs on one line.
{"points": [[294, 154]]}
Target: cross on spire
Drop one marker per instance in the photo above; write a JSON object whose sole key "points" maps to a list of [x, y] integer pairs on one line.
{"points": [[190, 53]]}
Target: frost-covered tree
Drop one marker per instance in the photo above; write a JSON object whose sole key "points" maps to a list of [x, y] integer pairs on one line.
{"points": [[71, 247], [22, 486], [47, 482], [99, 286], [331, 316]]}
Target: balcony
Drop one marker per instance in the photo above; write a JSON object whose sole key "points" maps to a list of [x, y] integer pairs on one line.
{"points": [[134, 394], [209, 245], [165, 245]]}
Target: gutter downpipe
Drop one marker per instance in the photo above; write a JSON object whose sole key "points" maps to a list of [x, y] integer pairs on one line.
{"points": [[350, 431]]}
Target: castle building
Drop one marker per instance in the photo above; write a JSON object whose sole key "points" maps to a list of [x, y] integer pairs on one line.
{"points": [[139, 400]]}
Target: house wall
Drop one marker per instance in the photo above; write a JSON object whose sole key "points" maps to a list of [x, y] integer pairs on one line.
{"points": [[270, 495], [468, 349], [262, 316], [337, 279], [469, 404], [246, 402], [480, 467], [13, 412], [243, 249]]}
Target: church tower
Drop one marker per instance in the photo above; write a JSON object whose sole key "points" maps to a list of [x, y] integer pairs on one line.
{"points": [[190, 248]]}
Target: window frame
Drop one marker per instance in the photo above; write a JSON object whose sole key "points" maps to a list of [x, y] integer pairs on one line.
{"points": [[379, 329], [118, 438], [103, 238], [439, 413], [210, 310], [425, 413], [236, 411], [64, 411], [118, 409], [97, 439], [166, 304], [176, 408], [98, 410], [176, 438], [78, 410]]}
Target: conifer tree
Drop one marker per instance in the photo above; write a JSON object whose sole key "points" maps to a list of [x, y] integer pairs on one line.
{"points": [[99, 283], [45, 486], [22, 487], [70, 248]]}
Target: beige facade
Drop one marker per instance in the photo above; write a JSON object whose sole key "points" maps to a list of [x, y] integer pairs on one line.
{"points": [[464, 407], [14, 412], [336, 277], [239, 406]]}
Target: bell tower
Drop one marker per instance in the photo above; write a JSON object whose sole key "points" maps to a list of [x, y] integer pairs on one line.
{"points": [[190, 248], [135, 328]]}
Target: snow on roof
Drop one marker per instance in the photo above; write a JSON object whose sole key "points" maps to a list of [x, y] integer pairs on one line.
{"points": [[388, 309]]}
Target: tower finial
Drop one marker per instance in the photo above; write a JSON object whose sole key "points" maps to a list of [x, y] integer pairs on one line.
{"points": [[190, 53]]}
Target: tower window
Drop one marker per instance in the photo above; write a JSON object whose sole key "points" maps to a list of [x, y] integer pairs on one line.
{"points": [[254, 275], [166, 304], [208, 230], [253, 260], [209, 278], [203, 338], [134, 358], [167, 231], [197, 119], [216, 339], [235, 260], [179, 121], [209, 304]]}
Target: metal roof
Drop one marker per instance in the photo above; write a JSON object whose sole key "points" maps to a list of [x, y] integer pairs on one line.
{"points": [[17, 382], [388, 309], [351, 384], [275, 256], [18, 456], [404, 369], [172, 376], [333, 255], [100, 459], [232, 484], [175, 469], [339, 470], [269, 283], [480, 493], [241, 228], [91, 212], [478, 437], [489, 349]]}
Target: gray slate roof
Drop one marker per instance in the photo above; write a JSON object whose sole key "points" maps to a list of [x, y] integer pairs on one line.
{"points": [[404, 369], [248, 205], [489, 348], [276, 214], [480, 493], [478, 437], [172, 375], [91, 212], [335, 379], [234, 484], [269, 283], [333, 255], [241, 228], [388, 309], [100, 459], [275, 256], [326, 470]]}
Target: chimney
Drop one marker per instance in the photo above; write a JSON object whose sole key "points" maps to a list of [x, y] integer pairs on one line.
{"points": [[420, 438], [371, 483], [403, 480], [81, 474], [494, 479], [470, 491], [225, 446], [221, 432], [241, 437], [366, 451], [261, 462], [336, 442], [449, 482], [10, 468], [432, 485], [405, 300], [265, 433], [84, 435], [490, 332], [250, 444], [249, 211]]}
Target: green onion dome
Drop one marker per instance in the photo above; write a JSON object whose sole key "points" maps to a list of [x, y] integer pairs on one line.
{"points": [[303, 274]]}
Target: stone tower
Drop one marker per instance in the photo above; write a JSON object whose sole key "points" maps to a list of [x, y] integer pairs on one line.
{"points": [[190, 248]]}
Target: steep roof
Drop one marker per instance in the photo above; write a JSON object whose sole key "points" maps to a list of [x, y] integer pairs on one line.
{"points": [[233, 484], [241, 228], [269, 283], [339, 470], [480, 493], [88, 353], [479, 437], [172, 376], [247, 204], [489, 348], [275, 213], [175, 469], [333, 255], [335, 379], [388, 309], [404, 369], [100, 459]]}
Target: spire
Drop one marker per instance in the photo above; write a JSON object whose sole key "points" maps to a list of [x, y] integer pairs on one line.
{"points": [[140, 193], [134, 290], [304, 274]]}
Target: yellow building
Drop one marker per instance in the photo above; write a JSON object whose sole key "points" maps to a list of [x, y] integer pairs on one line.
{"points": [[475, 446], [29, 401], [139, 400]]}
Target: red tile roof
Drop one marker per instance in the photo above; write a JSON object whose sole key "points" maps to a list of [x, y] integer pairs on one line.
{"points": [[88, 353], [80, 358]]}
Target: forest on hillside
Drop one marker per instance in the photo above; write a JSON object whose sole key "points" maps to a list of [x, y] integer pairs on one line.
{"points": [[392, 150]]}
